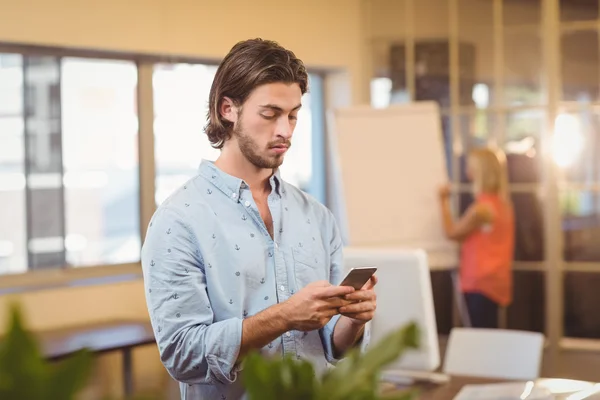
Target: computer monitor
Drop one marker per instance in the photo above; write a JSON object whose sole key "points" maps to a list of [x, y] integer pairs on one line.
{"points": [[403, 295]]}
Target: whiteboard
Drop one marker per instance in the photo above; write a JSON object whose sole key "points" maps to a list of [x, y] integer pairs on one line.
{"points": [[392, 164]]}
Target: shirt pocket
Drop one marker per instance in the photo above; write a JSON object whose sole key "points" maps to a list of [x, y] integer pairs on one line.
{"points": [[309, 266]]}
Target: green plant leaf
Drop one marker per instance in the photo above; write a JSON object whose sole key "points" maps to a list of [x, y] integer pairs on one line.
{"points": [[359, 373], [22, 368], [69, 376]]}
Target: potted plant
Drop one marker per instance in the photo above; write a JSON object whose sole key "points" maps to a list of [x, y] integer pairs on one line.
{"points": [[356, 377]]}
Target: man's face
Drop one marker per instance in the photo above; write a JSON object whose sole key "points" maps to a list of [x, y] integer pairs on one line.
{"points": [[264, 128]]}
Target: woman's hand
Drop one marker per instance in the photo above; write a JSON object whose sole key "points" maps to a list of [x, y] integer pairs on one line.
{"points": [[444, 191]]}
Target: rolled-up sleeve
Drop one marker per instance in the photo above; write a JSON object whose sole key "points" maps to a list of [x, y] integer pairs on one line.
{"points": [[193, 348]]}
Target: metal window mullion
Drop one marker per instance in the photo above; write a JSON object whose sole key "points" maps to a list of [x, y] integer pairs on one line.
{"points": [[455, 138], [552, 226], [582, 266], [409, 48], [26, 166], [63, 207], [147, 167], [498, 38]]}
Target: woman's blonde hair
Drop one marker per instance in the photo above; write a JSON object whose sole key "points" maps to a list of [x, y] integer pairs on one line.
{"points": [[489, 172]]}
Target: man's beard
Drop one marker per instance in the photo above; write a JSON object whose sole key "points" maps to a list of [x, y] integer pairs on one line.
{"points": [[251, 151]]}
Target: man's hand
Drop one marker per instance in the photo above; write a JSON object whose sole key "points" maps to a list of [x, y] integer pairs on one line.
{"points": [[363, 303], [313, 306]]}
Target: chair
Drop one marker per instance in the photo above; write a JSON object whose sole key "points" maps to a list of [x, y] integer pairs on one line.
{"points": [[494, 353]]}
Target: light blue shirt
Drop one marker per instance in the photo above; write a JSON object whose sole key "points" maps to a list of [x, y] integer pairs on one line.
{"points": [[209, 262]]}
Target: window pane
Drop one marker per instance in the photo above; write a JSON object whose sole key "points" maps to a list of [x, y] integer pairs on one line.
{"points": [[180, 108], [297, 168], [13, 251], [387, 33], [528, 309], [523, 130], [580, 224], [443, 299], [101, 174], [578, 10], [522, 12], [529, 227], [476, 52], [582, 296], [398, 64], [522, 68], [579, 56], [577, 145]]}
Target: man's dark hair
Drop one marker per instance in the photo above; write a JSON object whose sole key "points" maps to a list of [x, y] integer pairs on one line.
{"points": [[249, 64]]}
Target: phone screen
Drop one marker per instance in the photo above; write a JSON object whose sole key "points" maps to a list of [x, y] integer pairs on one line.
{"points": [[357, 277]]}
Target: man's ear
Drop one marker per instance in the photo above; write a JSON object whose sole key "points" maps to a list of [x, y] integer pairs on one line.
{"points": [[228, 110]]}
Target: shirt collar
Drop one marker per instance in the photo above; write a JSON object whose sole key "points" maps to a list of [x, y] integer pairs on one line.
{"points": [[231, 185]]}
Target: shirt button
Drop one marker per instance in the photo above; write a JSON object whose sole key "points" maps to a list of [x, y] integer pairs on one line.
{"points": [[234, 195], [288, 334], [282, 288], [247, 203]]}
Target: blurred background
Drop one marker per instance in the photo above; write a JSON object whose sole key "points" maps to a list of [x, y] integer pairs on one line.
{"points": [[102, 108]]}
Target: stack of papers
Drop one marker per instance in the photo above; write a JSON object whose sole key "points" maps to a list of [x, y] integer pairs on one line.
{"points": [[505, 391]]}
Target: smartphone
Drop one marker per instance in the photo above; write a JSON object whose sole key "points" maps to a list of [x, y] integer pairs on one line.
{"points": [[357, 277]]}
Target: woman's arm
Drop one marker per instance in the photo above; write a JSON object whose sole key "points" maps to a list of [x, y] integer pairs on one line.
{"points": [[475, 216]]}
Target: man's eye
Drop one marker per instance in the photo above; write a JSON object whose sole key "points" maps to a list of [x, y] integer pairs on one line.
{"points": [[268, 116], [293, 117]]}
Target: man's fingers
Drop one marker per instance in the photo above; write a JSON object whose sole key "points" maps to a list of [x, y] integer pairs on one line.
{"points": [[333, 291], [357, 308], [370, 283], [335, 302], [361, 295], [319, 284]]}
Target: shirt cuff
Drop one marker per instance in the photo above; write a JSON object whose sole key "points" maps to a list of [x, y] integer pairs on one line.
{"points": [[327, 338], [222, 354]]}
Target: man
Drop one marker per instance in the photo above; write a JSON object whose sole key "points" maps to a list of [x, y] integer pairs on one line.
{"points": [[237, 259]]}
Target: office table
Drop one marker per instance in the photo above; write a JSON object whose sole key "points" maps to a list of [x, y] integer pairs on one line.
{"points": [[99, 338]]}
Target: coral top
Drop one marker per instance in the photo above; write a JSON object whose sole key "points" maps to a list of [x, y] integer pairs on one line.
{"points": [[486, 254]]}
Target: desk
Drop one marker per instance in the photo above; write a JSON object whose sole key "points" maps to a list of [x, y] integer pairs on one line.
{"points": [[99, 338], [447, 391]]}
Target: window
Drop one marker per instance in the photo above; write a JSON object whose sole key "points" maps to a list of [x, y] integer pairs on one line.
{"points": [[100, 159], [180, 108], [69, 159], [68, 163], [13, 249]]}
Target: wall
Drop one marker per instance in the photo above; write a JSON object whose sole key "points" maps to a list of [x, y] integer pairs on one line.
{"points": [[325, 34]]}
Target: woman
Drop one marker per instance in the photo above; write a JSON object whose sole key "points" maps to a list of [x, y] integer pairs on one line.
{"points": [[486, 234]]}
